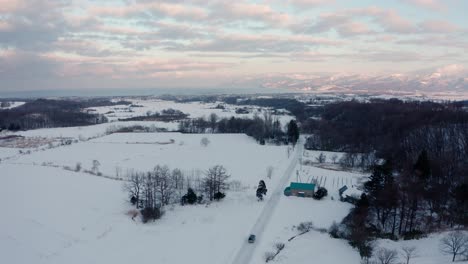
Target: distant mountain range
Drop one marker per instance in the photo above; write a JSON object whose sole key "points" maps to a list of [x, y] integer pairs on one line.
{"points": [[449, 80]]}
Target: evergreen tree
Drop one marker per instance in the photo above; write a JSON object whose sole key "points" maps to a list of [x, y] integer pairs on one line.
{"points": [[190, 197], [422, 167], [261, 190], [293, 132]]}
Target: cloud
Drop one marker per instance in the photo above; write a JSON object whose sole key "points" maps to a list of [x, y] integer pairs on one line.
{"points": [[256, 43], [240, 10], [346, 22], [434, 5], [175, 10], [438, 26], [22, 26], [142, 40], [308, 3]]}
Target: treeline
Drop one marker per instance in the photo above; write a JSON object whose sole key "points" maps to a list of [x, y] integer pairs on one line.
{"points": [[152, 191], [98, 102], [166, 115], [264, 129], [43, 113], [397, 131], [417, 154], [299, 109]]}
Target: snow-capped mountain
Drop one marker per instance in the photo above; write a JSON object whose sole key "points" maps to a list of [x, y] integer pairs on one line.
{"points": [[448, 79]]}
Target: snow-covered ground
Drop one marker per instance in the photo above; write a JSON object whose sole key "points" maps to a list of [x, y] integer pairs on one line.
{"points": [[8, 152], [427, 249], [291, 211], [87, 132], [194, 109], [143, 151], [58, 216], [51, 215], [13, 105]]}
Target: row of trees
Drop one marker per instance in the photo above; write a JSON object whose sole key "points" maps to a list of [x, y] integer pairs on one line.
{"points": [[263, 128], [152, 191]]}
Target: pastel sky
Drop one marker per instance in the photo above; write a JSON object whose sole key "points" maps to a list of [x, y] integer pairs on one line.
{"points": [[69, 44]]}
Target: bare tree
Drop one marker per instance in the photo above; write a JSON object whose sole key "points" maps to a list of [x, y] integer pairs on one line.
{"points": [[95, 167], [78, 167], [321, 158], [164, 185], [454, 243], [215, 181], [408, 253], [334, 158], [134, 186], [269, 256], [279, 246], [213, 118], [204, 142], [305, 227], [178, 179], [386, 256]]}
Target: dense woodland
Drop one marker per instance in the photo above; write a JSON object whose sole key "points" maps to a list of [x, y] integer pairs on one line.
{"points": [[418, 181], [43, 113]]}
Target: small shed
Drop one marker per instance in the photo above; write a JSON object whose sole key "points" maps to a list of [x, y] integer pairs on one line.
{"points": [[300, 189], [349, 194]]}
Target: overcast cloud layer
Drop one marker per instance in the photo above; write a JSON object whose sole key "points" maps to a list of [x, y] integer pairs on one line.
{"points": [[70, 44]]}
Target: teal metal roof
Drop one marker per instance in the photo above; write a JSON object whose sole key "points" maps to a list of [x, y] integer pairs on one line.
{"points": [[302, 186]]}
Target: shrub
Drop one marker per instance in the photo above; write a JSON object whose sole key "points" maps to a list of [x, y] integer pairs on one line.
{"points": [[219, 195], [78, 167], [150, 214], [415, 234], [132, 213], [334, 230], [305, 227], [200, 199], [279, 246], [269, 256], [204, 142], [190, 197]]}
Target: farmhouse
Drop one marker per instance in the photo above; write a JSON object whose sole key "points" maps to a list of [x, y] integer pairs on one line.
{"points": [[300, 189]]}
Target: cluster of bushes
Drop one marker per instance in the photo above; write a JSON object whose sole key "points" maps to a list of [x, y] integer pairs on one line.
{"points": [[154, 190]]}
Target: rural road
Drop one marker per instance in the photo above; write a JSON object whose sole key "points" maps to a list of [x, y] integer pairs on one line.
{"points": [[245, 253]]}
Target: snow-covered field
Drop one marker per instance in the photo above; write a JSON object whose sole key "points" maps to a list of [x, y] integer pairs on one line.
{"points": [[8, 152], [58, 216], [194, 109], [143, 151], [87, 132], [52, 215], [13, 105]]}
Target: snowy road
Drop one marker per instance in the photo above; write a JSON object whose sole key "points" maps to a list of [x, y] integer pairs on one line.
{"points": [[245, 253]]}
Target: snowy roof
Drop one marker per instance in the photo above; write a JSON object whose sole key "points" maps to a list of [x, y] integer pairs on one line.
{"points": [[352, 192], [302, 186]]}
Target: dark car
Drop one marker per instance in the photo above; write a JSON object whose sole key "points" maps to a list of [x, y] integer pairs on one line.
{"points": [[320, 193], [251, 238]]}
